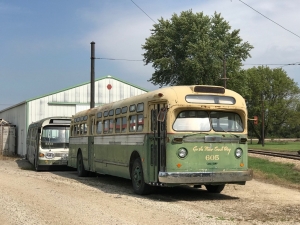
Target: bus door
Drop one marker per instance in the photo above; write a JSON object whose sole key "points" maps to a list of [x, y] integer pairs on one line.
{"points": [[158, 136], [91, 133]]}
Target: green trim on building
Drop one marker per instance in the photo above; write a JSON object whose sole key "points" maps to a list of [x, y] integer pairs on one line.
{"points": [[73, 103]]}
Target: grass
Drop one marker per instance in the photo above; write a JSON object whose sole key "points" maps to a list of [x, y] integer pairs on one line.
{"points": [[280, 146], [275, 170]]}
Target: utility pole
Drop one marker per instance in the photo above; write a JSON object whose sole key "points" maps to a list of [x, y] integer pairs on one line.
{"points": [[92, 98], [224, 71], [262, 121]]}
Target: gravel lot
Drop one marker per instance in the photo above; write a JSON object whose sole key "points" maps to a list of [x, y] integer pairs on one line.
{"points": [[60, 197]]}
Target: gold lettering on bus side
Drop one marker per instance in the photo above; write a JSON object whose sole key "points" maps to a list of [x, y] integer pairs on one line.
{"points": [[226, 149], [210, 149], [196, 149]]}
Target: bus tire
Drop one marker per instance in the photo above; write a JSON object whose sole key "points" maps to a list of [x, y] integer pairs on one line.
{"points": [[137, 179], [80, 167], [215, 188]]}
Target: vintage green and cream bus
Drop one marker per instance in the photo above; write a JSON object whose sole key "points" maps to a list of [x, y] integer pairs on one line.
{"points": [[47, 142], [178, 135]]}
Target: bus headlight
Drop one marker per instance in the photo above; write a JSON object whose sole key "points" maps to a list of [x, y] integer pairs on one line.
{"points": [[182, 153], [238, 153]]}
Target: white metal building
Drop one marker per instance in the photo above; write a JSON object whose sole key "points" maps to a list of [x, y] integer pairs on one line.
{"points": [[66, 102]]}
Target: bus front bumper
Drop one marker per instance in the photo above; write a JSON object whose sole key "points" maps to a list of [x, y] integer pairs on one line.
{"points": [[205, 177], [53, 162]]}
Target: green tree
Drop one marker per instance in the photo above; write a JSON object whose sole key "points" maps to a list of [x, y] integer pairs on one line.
{"points": [[192, 48], [272, 94]]}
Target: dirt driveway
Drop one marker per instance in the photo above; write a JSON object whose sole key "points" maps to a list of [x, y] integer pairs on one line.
{"points": [[60, 197]]}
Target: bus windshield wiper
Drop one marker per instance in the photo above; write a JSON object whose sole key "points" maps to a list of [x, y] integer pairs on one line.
{"points": [[235, 135], [230, 133]]}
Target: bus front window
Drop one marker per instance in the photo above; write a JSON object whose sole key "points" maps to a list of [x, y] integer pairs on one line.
{"points": [[55, 137], [192, 120], [202, 121], [226, 121]]}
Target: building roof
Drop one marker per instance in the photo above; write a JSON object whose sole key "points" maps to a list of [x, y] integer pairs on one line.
{"points": [[102, 78]]}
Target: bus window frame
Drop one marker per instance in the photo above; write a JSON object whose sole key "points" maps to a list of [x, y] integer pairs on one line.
{"points": [[132, 123]]}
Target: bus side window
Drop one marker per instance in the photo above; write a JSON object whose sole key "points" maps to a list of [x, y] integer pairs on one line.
{"points": [[132, 123], [124, 124], [118, 125], [34, 133], [29, 134], [99, 127], [81, 128], [78, 129], [106, 126], [140, 122], [85, 128], [111, 126]]}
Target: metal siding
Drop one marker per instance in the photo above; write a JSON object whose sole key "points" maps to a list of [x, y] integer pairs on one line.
{"points": [[17, 116], [39, 108], [76, 95], [54, 99], [73, 95], [81, 108], [118, 91]]}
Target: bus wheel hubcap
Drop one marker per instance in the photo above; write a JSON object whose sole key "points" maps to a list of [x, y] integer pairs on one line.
{"points": [[137, 176]]}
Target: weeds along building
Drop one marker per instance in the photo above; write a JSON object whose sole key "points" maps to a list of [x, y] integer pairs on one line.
{"points": [[66, 102]]}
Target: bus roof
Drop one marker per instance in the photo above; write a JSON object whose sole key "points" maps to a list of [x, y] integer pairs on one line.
{"points": [[173, 95]]}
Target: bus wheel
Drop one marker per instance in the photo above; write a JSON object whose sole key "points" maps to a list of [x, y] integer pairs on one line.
{"points": [[137, 179], [80, 167], [215, 188]]}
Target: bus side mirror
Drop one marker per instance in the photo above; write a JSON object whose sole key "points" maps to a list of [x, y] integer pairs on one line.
{"points": [[39, 130], [162, 115], [255, 120]]}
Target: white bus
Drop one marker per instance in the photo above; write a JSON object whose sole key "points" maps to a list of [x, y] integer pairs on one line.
{"points": [[48, 142]]}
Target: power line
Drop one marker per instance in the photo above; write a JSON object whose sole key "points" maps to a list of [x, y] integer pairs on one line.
{"points": [[120, 59], [272, 64], [142, 11], [269, 19], [296, 63], [247, 64]]}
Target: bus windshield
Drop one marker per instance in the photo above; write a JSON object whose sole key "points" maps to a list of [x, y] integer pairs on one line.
{"points": [[226, 121], [55, 137], [196, 120]]}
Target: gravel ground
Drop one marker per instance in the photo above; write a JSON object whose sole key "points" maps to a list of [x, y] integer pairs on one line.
{"points": [[60, 197]]}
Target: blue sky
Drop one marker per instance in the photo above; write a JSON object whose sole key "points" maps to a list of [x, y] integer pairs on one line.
{"points": [[45, 45]]}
